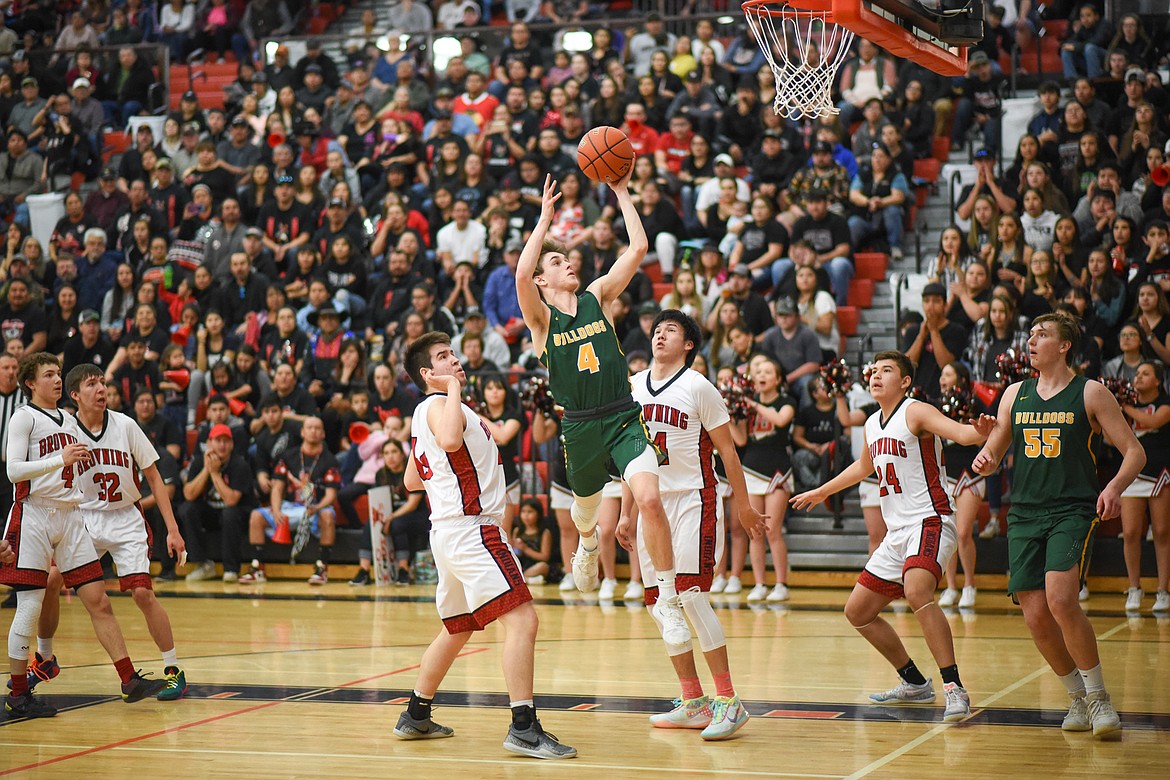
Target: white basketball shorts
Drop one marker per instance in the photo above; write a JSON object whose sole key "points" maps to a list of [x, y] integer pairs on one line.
{"points": [[126, 536], [927, 545], [479, 575], [43, 533], [696, 534]]}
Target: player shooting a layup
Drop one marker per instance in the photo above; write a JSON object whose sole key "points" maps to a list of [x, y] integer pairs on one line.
{"points": [[688, 419], [1052, 423], [903, 445], [588, 376], [455, 459], [45, 526]]}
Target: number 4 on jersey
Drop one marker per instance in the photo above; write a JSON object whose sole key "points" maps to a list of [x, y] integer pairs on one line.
{"points": [[889, 481], [587, 359]]}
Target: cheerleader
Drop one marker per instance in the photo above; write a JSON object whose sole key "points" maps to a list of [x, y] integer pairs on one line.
{"points": [[967, 489], [506, 423]]}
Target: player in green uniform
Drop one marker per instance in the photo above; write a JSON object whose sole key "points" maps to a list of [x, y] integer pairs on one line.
{"points": [[1052, 423]]}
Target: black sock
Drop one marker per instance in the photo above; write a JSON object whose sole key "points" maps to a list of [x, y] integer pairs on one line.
{"points": [[910, 674], [258, 552], [325, 554], [418, 707], [950, 674], [523, 717]]}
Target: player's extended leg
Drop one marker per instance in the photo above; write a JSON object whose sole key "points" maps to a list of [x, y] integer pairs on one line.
{"points": [[584, 514], [135, 687], [920, 585], [1061, 589], [158, 622], [1049, 640], [525, 737], [44, 665], [642, 477], [416, 722], [21, 703], [728, 715], [863, 611]]}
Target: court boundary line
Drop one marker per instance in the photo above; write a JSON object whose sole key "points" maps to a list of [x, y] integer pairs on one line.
{"points": [[930, 734]]}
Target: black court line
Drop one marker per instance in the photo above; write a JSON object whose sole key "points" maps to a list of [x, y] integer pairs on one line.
{"points": [[782, 710]]}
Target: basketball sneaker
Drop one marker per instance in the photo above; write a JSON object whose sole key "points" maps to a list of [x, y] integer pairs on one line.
{"points": [[176, 684], [361, 578], [202, 571], [140, 688], [778, 593], [320, 575], [255, 576], [734, 585], [727, 717], [905, 693], [41, 670], [670, 617], [718, 584], [1133, 599], [1084, 594], [687, 714], [958, 703], [403, 577], [566, 582], [1161, 602], [758, 593], [634, 591], [991, 530], [27, 706], [585, 569], [607, 589], [231, 576], [534, 580], [409, 728], [948, 598], [535, 742], [1102, 714], [967, 600], [1077, 718]]}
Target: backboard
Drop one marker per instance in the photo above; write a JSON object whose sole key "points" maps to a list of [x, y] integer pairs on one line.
{"points": [[935, 33]]}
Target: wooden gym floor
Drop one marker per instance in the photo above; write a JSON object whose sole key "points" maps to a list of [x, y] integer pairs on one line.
{"points": [[288, 681]]}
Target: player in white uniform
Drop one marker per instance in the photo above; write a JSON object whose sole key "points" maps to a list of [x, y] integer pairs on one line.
{"points": [[45, 526], [454, 458], [903, 447], [688, 420]]}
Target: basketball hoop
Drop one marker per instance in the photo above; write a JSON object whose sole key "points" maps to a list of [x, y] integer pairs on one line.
{"points": [[805, 47]]}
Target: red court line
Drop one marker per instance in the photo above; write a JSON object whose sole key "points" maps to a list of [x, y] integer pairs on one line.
{"points": [[405, 669], [139, 738]]}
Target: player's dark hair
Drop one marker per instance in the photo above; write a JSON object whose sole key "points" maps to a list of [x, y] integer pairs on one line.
{"points": [[690, 330], [418, 356], [905, 365], [30, 365], [1068, 328], [77, 376]]}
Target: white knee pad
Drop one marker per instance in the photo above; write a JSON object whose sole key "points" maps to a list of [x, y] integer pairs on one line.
{"points": [[584, 512], [671, 650], [24, 623], [647, 463], [697, 606]]}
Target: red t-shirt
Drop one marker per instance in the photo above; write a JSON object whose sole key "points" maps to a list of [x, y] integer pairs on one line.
{"points": [[644, 139], [676, 150], [480, 109]]}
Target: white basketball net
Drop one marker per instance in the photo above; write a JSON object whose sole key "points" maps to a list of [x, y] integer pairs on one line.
{"points": [[805, 49]]}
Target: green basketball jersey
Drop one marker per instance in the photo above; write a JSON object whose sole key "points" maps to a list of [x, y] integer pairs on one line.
{"points": [[586, 367], [1054, 445]]}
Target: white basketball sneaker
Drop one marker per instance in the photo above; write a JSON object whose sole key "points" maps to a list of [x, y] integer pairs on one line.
{"points": [[948, 598], [734, 585], [967, 600], [905, 693], [1161, 602], [670, 617], [606, 591], [1077, 718], [779, 593], [1104, 717], [687, 714], [727, 717], [1133, 599], [585, 569], [958, 703], [759, 593]]}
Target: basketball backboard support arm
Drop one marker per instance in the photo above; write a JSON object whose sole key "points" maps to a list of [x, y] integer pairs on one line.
{"points": [[906, 28]]}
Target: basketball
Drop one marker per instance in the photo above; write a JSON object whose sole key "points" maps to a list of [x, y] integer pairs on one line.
{"points": [[605, 154]]}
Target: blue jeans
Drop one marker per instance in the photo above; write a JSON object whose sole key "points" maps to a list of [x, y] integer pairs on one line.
{"points": [[118, 114], [887, 220], [965, 115], [1089, 63], [839, 269]]}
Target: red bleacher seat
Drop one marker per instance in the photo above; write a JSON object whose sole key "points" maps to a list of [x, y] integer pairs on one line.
{"points": [[942, 148], [192, 440], [848, 318], [653, 272], [861, 293], [871, 265], [662, 289]]}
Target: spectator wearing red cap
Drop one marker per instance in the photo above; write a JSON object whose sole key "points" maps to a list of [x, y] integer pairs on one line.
{"points": [[219, 493]]}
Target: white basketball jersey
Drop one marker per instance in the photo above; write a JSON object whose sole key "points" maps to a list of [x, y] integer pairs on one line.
{"points": [[50, 432], [119, 450], [466, 483], [679, 413], [912, 483]]}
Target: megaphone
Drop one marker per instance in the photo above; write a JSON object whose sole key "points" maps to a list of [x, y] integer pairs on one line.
{"points": [[1161, 175], [359, 432], [281, 534], [180, 376], [275, 140]]}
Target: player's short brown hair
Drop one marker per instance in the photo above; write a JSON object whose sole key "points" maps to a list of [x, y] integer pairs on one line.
{"points": [[30, 365], [548, 245], [905, 365], [418, 355], [77, 376], [1068, 328]]}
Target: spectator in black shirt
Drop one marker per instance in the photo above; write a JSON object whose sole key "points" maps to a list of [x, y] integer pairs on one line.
{"points": [[160, 429], [219, 493], [829, 235], [245, 292], [935, 342], [88, 344], [663, 226], [136, 373], [753, 309], [761, 243], [22, 319], [285, 222], [981, 103]]}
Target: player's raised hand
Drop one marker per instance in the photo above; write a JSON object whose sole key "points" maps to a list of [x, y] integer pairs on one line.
{"points": [[809, 499], [627, 532], [445, 384], [984, 424], [623, 184], [175, 544], [548, 200], [75, 452], [753, 522]]}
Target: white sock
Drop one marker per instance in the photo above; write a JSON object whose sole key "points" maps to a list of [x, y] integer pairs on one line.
{"points": [[1073, 683], [45, 647], [170, 658], [522, 703], [665, 582], [1094, 679], [589, 543]]}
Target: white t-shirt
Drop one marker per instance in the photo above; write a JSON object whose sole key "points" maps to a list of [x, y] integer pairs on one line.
{"points": [[469, 244]]}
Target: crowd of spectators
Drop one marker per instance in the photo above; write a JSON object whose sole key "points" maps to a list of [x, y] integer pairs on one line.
{"points": [[266, 263]]}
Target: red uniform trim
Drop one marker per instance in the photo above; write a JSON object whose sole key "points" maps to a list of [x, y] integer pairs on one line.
{"points": [[935, 483], [879, 586], [83, 575], [132, 581], [464, 469], [14, 575], [21, 491], [516, 594], [928, 545]]}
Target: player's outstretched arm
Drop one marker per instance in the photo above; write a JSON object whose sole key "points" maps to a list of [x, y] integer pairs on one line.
{"points": [[987, 461], [752, 521], [531, 306], [612, 284], [20, 469], [924, 417], [175, 543], [1103, 408], [853, 473]]}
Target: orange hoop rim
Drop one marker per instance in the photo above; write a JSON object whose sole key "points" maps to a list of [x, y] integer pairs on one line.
{"points": [[822, 9]]}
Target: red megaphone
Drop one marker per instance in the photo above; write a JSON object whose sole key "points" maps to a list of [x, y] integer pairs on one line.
{"points": [[275, 140], [181, 335], [236, 406], [986, 393], [1161, 175], [180, 376], [359, 432], [281, 535]]}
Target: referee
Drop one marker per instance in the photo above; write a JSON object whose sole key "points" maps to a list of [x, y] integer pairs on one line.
{"points": [[10, 399]]}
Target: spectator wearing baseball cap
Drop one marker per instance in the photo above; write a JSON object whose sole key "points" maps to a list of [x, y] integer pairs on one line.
{"points": [[22, 113], [935, 342], [708, 192], [980, 109]]}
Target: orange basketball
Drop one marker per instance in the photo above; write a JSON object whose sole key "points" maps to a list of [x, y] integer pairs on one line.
{"points": [[605, 154]]}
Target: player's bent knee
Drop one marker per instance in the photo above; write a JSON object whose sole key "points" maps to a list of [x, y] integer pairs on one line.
{"points": [[144, 597], [708, 629]]}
